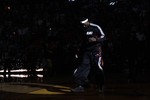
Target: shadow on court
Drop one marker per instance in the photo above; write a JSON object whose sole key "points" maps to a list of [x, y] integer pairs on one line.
{"points": [[61, 91]]}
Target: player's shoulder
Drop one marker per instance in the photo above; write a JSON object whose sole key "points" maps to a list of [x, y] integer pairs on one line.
{"points": [[94, 25]]}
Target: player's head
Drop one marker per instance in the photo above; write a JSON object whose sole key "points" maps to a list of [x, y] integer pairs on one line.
{"points": [[85, 22]]}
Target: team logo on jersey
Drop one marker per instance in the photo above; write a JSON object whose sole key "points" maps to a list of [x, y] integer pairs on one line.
{"points": [[89, 33]]}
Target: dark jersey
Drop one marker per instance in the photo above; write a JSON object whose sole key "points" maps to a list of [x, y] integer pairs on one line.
{"points": [[93, 31]]}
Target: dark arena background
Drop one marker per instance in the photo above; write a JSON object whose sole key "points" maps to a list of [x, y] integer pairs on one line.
{"points": [[40, 38]]}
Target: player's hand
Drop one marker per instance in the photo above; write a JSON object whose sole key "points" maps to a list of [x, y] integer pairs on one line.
{"points": [[92, 39]]}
